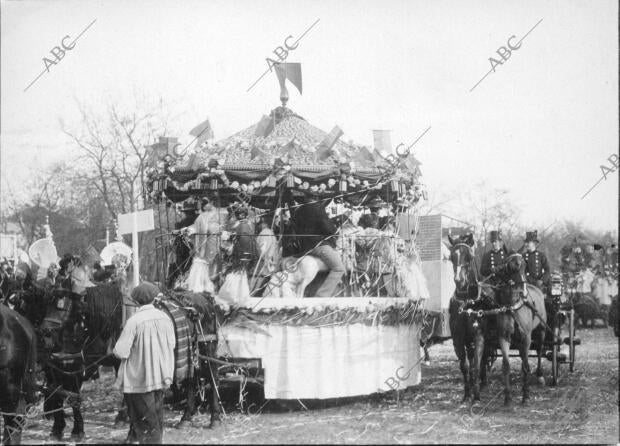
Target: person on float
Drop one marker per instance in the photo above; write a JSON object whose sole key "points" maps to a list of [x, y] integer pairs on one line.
{"points": [[182, 251], [207, 229], [611, 259], [268, 247], [316, 235], [537, 271], [493, 259], [245, 251]]}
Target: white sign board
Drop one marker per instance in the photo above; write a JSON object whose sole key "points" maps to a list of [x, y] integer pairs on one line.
{"points": [[8, 246], [144, 221]]}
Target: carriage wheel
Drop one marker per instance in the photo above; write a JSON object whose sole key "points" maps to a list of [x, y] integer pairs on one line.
{"points": [[571, 337]]}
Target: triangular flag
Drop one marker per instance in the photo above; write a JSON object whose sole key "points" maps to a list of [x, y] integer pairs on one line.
{"points": [[412, 163], [264, 127], [383, 141], [324, 150], [202, 132], [287, 149], [290, 71], [256, 151], [363, 155]]}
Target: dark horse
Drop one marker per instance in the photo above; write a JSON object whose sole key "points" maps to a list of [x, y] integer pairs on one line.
{"points": [[519, 319], [467, 324], [18, 353], [199, 387], [77, 335]]}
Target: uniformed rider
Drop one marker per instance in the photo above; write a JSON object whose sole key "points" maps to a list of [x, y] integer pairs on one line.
{"points": [[537, 270], [493, 260]]}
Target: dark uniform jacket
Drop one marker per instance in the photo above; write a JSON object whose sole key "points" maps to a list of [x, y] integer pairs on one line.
{"points": [[245, 247], [537, 267], [312, 226], [492, 261]]}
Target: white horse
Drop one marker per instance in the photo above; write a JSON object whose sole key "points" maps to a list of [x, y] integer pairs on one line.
{"points": [[295, 277]]}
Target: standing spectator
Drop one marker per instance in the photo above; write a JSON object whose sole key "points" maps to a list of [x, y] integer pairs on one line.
{"points": [[146, 348]]}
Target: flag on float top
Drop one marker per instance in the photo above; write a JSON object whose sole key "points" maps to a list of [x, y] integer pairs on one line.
{"points": [[290, 71], [363, 156], [202, 132], [383, 141], [264, 127], [324, 150], [288, 148], [255, 151]]}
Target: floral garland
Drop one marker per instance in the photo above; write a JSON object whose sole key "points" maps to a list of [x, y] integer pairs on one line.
{"points": [[321, 316], [404, 185]]}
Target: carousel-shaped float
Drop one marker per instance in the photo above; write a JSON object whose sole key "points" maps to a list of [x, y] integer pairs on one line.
{"points": [[234, 220]]}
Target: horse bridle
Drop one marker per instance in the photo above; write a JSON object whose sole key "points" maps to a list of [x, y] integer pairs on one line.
{"points": [[471, 263]]}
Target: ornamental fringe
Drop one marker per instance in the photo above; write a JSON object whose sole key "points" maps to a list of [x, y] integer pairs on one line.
{"points": [[324, 316]]}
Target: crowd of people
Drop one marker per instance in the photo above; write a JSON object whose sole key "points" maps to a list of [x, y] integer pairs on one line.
{"points": [[587, 268], [214, 244]]}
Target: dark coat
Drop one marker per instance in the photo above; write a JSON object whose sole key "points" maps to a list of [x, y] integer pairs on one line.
{"points": [[537, 267], [245, 247], [492, 261], [312, 225]]}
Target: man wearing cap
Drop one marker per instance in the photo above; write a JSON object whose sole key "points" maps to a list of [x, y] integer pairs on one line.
{"points": [[537, 267], [146, 349], [493, 259]]}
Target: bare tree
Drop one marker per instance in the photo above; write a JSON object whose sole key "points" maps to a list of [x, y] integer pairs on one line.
{"points": [[113, 144]]}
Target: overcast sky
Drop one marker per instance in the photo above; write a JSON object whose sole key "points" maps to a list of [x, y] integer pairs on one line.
{"points": [[540, 125]]}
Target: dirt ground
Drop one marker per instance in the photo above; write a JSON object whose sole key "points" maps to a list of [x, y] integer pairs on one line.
{"points": [[583, 408]]}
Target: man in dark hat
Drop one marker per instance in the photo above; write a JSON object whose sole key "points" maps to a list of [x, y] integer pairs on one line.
{"points": [[182, 245], [245, 250], [494, 258], [316, 232], [146, 348], [537, 271]]}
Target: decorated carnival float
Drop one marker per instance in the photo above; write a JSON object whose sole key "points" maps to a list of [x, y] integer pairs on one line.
{"points": [[247, 190]]}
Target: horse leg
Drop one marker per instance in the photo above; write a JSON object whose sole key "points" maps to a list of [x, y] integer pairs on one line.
{"points": [[190, 405], [473, 376], [74, 385], [484, 360], [77, 434], [539, 371], [504, 345], [475, 364], [121, 416], [56, 403], [459, 349], [524, 349]]}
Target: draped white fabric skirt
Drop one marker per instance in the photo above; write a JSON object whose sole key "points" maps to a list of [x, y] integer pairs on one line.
{"points": [[198, 279]]}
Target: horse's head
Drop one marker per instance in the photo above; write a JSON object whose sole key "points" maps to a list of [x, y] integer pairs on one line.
{"points": [[31, 303], [463, 261], [64, 315], [512, 273]]}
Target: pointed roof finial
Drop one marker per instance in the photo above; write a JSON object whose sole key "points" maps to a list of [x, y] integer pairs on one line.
{"points": [[46, 227]]}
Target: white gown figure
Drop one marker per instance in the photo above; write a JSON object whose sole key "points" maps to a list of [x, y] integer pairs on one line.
{"points": [[411, 282], [207, 229]]}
